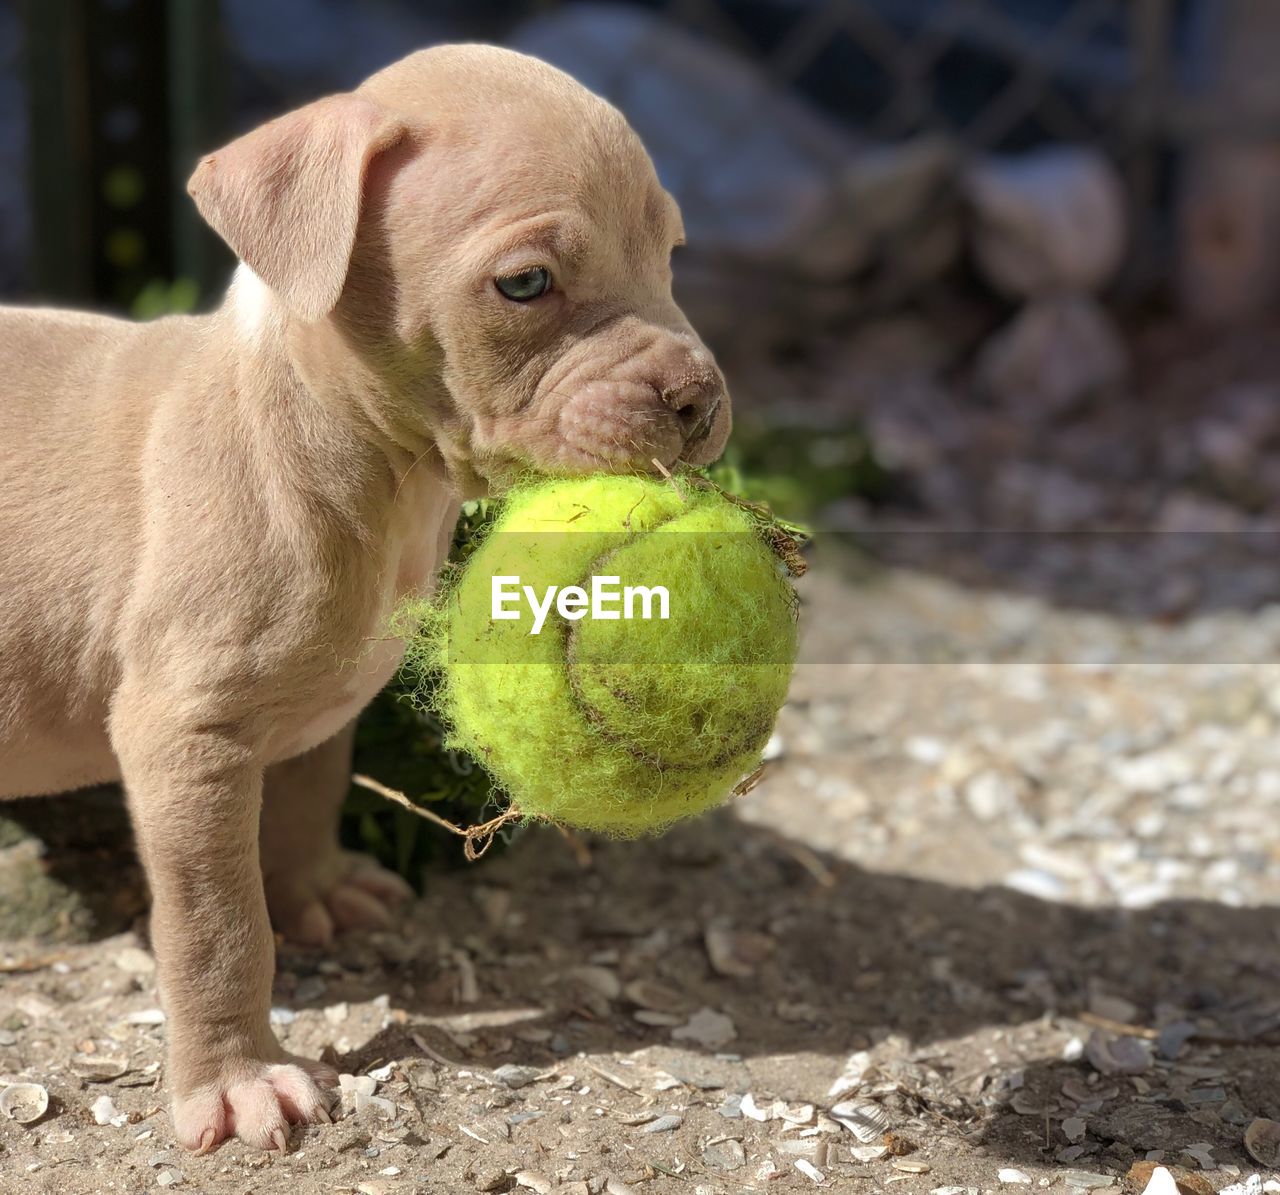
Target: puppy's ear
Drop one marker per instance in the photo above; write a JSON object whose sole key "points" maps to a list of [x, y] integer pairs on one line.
{"points": [[287, 196]]}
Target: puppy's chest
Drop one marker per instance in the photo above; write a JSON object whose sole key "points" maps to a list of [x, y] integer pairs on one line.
{"points": [[416, 544]]}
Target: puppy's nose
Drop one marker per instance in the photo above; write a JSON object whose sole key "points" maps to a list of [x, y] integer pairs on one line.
{"points": [[696, 403]]}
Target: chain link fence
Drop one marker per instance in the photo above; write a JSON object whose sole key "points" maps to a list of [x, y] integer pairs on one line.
{"points": [[1142, 81]]}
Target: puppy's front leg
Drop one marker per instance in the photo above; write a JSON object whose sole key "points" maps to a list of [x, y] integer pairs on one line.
{"points": [[194, 788]]}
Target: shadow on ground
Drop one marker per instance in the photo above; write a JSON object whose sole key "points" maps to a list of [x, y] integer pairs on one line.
{"points": [[956, 991]]}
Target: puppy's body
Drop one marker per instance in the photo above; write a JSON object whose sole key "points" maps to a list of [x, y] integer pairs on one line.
{"points": [[455, 274], [178, 505]]}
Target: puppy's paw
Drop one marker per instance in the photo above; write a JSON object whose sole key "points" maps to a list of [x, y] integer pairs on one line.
{"points": [[255, 1101], [344, 890]]}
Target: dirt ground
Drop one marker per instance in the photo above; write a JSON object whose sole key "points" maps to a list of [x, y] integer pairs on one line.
{"points": [[998, 916]]}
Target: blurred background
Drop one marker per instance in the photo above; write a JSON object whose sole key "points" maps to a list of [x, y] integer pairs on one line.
{"points": [[971, 265]]}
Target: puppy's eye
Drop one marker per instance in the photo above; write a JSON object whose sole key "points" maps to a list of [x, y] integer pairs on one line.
{"points": [[528, 284]]}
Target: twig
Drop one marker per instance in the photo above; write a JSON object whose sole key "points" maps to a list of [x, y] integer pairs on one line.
{"points": [[478, 839], [614, 1079], [1113, 1026], [26, 965], [670, 478]]}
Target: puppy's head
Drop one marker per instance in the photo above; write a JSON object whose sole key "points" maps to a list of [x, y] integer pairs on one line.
{"points": [[492, 240]]}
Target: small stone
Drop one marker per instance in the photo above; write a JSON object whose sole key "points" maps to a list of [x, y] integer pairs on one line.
{"points": [[1118, 1055], [731, 1109], [491, 1178], [146, 1016], [733, 953], [726, 1155], [1074, 1128], [710, 1029], [663, 1124], [133, 960], [534, 1180], [660, 1020], [599, 979], [810, 1171], [654, 996], [510, 1075], [169, 1177], [868, 1153], [335, 1014], [1087, 1180], [105, 1111], [1201, 1153], [375, 1105], [1010, 1176], [1262, 1140], [1173, 1037], [908, 1167]]}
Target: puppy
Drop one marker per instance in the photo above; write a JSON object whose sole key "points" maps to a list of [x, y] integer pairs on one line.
{"points": [[455, 273]]}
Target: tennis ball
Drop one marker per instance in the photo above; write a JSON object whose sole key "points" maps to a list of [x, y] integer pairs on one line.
{"points": [[626, 715]]}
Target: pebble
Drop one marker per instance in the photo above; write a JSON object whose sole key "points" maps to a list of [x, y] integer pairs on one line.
{"points": [[133, 960], [868, 1153], [707, 1028], [1117, 1055], [169, 1177], [731, 1108], [908, 1167], [810, 1171], [534, 1180], [1074, 1128], [663, 1124], [1008, 1175], [146, 1016], [510, 1075], [1087, 1180], [105, 1112], [724, 1154]]}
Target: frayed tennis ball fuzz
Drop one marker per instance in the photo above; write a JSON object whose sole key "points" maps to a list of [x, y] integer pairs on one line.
{"points": [[616, 649]]}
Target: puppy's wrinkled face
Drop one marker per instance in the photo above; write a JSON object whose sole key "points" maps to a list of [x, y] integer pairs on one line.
{"points": [[530, 245]]}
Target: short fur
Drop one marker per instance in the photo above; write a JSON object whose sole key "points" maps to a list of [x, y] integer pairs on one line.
{"points": [[206, 521]]}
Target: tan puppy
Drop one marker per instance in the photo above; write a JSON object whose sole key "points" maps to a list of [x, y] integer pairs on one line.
{"points": [[456, 272]]}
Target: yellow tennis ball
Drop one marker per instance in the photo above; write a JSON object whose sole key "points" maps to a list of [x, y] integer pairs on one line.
{"points": [[616, 650]]}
